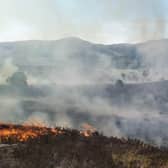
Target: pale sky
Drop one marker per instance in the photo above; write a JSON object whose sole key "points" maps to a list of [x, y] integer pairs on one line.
{"points": [[101, 21]]}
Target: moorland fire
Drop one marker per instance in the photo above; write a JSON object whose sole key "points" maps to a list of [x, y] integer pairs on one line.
{"points": [[23, 133]]}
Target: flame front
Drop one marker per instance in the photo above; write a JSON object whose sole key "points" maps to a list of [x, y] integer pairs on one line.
{"points": [[23, 133]]}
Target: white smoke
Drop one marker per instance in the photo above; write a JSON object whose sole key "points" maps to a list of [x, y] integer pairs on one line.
{"points": [[7, 70], [74, 94]]}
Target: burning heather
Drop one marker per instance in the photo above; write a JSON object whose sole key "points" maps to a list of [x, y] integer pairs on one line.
{"points": [[23, 133], [87, 130]]}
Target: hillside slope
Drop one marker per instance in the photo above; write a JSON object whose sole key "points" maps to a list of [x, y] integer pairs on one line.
{"points": [[82, 61], [73, 150]]}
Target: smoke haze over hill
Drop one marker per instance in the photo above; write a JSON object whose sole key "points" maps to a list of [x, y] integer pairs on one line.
{"points": [[119, 89]]}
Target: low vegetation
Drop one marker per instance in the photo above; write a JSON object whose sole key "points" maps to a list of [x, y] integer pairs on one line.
{"points": [[71, 149]]}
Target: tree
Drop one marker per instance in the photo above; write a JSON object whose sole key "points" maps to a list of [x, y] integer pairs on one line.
{"points": [[17, 79], [119, 83]]}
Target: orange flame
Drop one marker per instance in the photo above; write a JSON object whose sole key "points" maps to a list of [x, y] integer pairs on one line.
{"points": [[25, 132], [87, 130], [22, 133]]}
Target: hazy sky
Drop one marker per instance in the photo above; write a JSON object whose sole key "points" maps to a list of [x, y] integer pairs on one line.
{"points": [[105, 21]]}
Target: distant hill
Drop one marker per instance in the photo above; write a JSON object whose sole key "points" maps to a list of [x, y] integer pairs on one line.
{"points": [[86, 61], [36, 53]]}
